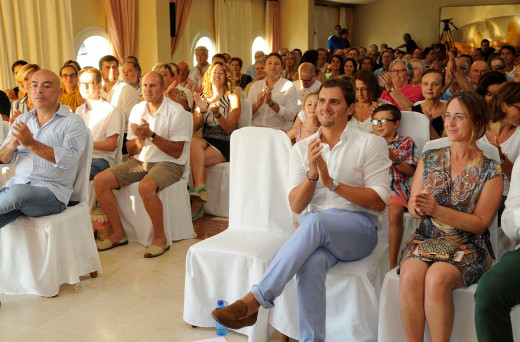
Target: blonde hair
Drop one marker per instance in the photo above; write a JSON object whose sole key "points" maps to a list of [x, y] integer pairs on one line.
{"points": [[207, 87], [24, 71]]}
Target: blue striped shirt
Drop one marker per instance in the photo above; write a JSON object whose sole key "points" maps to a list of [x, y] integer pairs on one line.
{"points": [[66, 133]]}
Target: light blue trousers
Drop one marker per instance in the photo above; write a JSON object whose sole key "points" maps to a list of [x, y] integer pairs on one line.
{"points": [[25, 199], [322, 239]]}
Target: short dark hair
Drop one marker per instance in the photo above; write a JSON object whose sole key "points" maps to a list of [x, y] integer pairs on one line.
{"points": [[136, 65], [484, 41], [218, 55], [396, 113], [133, 58], [107, 58], [275, 54], [69, 66], [350, 60], [467, 56], [346, 86], [509, 93], [490, 78], [17, 63], [338, 25], [310, 56], [476, 109], [237, 59], [343, 31], [507, 47]]}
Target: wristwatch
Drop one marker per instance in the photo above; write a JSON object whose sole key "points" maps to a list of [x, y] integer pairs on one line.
{"points": [[334, 186], [271, 104], [150, 139], [397, 161]]}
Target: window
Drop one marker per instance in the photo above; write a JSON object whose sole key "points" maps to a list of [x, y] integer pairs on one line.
{"points": [[258, 45], [90, 45], [203, 39]]}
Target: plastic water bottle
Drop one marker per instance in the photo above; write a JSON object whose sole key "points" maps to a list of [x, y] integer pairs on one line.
{"points": [[221, 330]]}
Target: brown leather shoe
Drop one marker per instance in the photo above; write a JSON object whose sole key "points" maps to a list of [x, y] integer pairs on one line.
{"points": [[234, 316]]}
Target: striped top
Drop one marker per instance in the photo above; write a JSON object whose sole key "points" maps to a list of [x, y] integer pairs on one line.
{"points": [[66, 133]]}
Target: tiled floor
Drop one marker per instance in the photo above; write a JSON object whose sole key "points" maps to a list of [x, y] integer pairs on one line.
{"points": [[136, 299]]}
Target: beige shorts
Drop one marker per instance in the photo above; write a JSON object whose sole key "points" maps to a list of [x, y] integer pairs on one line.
{"points": [[132, 171]]}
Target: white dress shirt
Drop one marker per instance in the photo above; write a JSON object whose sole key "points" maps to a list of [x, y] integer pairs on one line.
{"points": [[359, 159], [511, 147], [285, 95], [66, 134], [511, 215], [122, 96], [170, 122], [104, 120]]}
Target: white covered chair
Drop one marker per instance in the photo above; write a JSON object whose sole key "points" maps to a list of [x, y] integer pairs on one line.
{"points": [[422, 101], [38, 254], [92, 199], [226, 265], [352, 300], [176, 210], [217, 180], [390, 324]]}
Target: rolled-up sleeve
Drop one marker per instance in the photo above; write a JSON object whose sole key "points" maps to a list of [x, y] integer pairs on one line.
{"points": [[297, 169], [74, 140], [376, 168], [289, 106], [511, 214]]}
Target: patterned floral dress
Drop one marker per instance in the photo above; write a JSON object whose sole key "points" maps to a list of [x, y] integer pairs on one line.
{"points": [[462, 195]]}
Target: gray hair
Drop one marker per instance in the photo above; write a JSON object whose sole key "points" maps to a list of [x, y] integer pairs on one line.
{"points": [[408, 66], [262, 60], [202, 48], [421, 62]]}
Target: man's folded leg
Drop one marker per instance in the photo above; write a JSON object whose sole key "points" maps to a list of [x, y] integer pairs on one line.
{"points": [[25, 199]]}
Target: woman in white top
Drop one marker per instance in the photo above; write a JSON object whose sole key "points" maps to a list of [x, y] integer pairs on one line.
{"points": [[503, 131], [217, 110], [367, 92]]}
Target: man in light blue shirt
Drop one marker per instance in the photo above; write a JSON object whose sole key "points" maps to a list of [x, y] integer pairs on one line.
{"points": [[48, 142]]}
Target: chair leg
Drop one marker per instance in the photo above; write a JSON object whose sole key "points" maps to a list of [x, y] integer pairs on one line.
{"points": [[193, 326], [285, 338], [93, 274]]}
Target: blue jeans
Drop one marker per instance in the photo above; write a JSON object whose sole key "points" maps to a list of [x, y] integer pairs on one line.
{"points": [[25, 199], [322, 239], [98, 165]]}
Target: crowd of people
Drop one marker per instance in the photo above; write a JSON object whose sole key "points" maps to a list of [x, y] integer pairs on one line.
{"points": [[341, 107]]}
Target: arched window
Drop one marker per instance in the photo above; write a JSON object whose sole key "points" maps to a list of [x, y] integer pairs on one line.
{"points": [[90, 45], [203, 38], [259, 44]]}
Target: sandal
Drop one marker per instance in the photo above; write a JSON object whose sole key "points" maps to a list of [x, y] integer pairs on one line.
{"points": [[202, 193]]}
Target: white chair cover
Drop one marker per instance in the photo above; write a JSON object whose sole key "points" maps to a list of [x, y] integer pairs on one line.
{"points": [[37, 255], [176, 210], [92, 199], [5, 174], [352, 300], [217, 180], [422, 101], [225, 266], [391, 325]]}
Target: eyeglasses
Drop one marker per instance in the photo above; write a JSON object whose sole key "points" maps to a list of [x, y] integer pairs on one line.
{"points": [[86, 84], [498, 67], [69, 75], [462, 69], [455, 117], [383, 122], [517, 107], [397, 71], [306, 81]]}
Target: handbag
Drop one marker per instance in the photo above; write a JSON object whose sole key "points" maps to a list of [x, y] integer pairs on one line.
{"points": [[437, 250], [102, 227]]}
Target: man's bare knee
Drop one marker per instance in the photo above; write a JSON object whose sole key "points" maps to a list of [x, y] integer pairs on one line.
{"points": [[105, 180], [147, 187]]}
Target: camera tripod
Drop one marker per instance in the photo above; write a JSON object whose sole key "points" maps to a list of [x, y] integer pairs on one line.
{"points": [[447, 35]]}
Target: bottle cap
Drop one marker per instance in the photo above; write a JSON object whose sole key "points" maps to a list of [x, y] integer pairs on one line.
{"points": [[220, 302]]}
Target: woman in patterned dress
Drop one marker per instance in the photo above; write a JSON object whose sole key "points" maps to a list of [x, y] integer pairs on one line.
{"points": [[217, 111], [456, 198]]}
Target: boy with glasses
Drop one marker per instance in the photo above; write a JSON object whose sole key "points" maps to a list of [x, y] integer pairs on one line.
{"points": [[403, 154]]}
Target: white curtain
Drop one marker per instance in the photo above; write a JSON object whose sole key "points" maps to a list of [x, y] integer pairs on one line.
{"points": [[325, 18], [233, 27], [38, 31]]}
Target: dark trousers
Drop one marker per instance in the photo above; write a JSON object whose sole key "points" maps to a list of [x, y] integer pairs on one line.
{"points": [[497, 292]]}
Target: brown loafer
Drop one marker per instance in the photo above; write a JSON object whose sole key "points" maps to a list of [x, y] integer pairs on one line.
{"points": [[234, 316]]}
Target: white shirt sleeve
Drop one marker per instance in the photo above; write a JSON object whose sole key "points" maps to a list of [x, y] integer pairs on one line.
{"points": [[511, 214], [376, 168], [128, 99], [289, 107]]}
